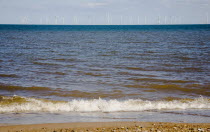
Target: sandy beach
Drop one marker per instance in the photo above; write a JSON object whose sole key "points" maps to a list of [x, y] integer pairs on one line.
{"points": [[108, 127]]}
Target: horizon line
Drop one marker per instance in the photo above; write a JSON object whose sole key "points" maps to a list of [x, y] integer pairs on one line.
{"points": [[103, 24]]}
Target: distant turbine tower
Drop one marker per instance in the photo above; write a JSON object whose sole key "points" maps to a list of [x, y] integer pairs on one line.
{"points": [[56, 20], [170, 18], [145, 20], [138, 20], [175, 20], [131, 20], [63, 20], [108, 19], [41, 22], [121, 20], [89, 20], [180, 20], [165, 20], [159, 20], [93, 21], [25, 20], [75, 20], [47, 21]]}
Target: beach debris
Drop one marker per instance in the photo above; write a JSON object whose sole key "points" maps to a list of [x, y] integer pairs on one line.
{"points": [[200, 130], [133, 128]]}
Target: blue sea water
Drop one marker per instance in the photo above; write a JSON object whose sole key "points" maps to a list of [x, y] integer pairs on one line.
{"points": [[103, 27], [142, 70]]}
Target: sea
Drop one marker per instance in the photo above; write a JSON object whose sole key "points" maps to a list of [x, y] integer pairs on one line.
{"points": [[104, 73]]}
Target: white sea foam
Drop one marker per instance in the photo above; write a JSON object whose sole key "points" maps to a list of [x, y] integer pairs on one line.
{"points": [[101, 105]]}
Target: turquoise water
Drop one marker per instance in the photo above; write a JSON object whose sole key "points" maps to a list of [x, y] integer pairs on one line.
{"points": [[103, 27], [119, 69]]}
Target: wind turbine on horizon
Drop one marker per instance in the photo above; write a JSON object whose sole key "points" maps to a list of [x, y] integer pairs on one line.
{"points": [[56, 20], [75, 20], [47, 20], [165, 20], [145, 20], [63, 20], [131, 20], [41, 21], [89, 20], [25, 20], [158, 20], [138, 20], [121, 20], [108, 18]]}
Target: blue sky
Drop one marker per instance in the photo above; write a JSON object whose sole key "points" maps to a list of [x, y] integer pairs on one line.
{"points": [[104, 11]]}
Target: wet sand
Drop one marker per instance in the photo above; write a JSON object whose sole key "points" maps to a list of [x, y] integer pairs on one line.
{"points": [[108, 127]]}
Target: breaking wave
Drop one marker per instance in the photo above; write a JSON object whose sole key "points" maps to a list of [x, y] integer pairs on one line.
{"points": [[24, 104]]}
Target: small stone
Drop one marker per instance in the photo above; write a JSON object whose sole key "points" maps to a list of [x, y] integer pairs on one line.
{"points": [[200, 130]]}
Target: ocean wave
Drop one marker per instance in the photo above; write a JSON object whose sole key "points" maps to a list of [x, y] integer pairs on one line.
{"points": [[20, 88], [147, 42], [59, 92], [9, 75], [24, 104], [169, 87], [53, 73], [45, 64]]}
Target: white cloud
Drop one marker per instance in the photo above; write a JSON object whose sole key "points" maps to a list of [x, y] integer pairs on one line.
{"points": [[96, 4]]}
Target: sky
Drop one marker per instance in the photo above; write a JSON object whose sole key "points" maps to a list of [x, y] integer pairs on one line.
{"points": [[116, 12]]}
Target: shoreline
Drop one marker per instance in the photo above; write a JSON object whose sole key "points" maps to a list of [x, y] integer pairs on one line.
{"points": [[106, 127]]}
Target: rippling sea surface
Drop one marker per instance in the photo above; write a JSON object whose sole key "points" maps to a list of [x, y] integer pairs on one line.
{"points": [[104, 73]]}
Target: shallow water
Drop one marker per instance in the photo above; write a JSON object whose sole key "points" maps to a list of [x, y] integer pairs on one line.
{"points": [[110, 65]]}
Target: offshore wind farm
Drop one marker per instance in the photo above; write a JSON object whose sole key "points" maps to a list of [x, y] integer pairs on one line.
{"points": [[108, 19]]}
